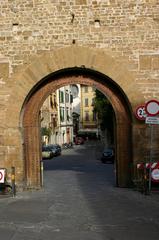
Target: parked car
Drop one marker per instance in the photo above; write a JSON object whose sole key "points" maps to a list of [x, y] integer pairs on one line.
{"points": [[46, 152], [67, 145], [108, 155], [55, 148], [79, 140]]}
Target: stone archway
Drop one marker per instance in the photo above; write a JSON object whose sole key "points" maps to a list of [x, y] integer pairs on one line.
{"points": [[35, 77], [116, 97]]}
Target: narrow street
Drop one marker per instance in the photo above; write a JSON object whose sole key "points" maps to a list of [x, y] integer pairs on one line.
{"points": [[80, 202]]}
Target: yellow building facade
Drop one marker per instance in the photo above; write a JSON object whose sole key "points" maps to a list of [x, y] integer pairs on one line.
{"points": [[88, 120]]}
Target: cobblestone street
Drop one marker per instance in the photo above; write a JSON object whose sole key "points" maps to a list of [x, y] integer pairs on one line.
{"points": [[80, 201]]}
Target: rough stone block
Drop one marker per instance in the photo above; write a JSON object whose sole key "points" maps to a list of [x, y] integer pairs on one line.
{"points": [[145, 62], [81, 2], [155, 62], [4, 71]]}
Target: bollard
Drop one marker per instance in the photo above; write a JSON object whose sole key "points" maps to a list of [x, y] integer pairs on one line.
{"points": [[13, 181], [42, 174]]}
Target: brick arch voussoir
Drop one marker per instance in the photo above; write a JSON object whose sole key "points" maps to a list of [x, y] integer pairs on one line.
{"points": [[37, 100], [31, 133], [68, 57], [95, 59]]}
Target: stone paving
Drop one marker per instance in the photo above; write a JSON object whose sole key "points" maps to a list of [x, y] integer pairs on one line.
{"points": [[79, 202]]}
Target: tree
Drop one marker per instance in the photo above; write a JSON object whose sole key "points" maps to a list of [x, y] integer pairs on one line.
{"points": [[45, 131], [105, 113]]}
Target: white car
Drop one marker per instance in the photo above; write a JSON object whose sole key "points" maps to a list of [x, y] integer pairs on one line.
{"points": [[46, 152]]}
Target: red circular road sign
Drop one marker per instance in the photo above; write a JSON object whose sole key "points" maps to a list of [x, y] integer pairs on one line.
{"points": [[152, 107], [155, 175], [1, 176], [140, 112]]}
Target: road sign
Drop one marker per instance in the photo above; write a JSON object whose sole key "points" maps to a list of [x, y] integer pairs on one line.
{"points": [[152, 120], [140, 112], [152, 107], [2, 175], [155, 175]]}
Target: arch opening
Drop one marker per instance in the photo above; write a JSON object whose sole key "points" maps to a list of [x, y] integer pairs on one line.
{"points": [[31, 121]]}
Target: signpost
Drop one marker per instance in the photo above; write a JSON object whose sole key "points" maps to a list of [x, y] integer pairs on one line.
{"points": [[149, 112], [152, 120], [152, 110]]}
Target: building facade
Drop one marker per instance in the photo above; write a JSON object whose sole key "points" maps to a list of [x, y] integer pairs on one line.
{"points": [[56, 117], [76, 107], [88, 117], [49, 120], [65, 119]]}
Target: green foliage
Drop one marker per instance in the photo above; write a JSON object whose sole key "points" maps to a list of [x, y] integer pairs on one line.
{"points": [[45, 131], [105, 111]]}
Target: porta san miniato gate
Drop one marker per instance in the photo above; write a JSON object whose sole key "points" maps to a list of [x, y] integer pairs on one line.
{"points": [[30, 86]]}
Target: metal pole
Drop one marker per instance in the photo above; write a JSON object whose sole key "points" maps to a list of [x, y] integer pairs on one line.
{"points": [[13, 181], [42, 174], [151, 141]]}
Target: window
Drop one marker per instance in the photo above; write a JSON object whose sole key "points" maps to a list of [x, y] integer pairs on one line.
{"points": [[67, 114], [54, 120], [86, 116], [74, 91], [51, 101], [67, 97], [86, 89], [62, 114], [94, 116], [61, 96], [93, 101], [86, 102], [55, 103], [71, 98]]}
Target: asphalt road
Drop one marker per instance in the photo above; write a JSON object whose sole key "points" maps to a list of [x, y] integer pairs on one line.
{"points": [[80, 202]]}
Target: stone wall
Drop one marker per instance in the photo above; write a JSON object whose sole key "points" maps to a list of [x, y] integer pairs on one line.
{"points": [[127, 28], [126, 31]]}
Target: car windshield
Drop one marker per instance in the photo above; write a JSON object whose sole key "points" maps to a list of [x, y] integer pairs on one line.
{"points": [[52, 146], [45, 148], [108, 151]]}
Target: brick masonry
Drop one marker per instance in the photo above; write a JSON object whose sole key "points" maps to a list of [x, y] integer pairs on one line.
{"points": [[37, 37]]}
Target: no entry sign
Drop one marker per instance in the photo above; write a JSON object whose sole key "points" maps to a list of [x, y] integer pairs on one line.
{"points": [[155, 175], [2, 175], [152, 107]]}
